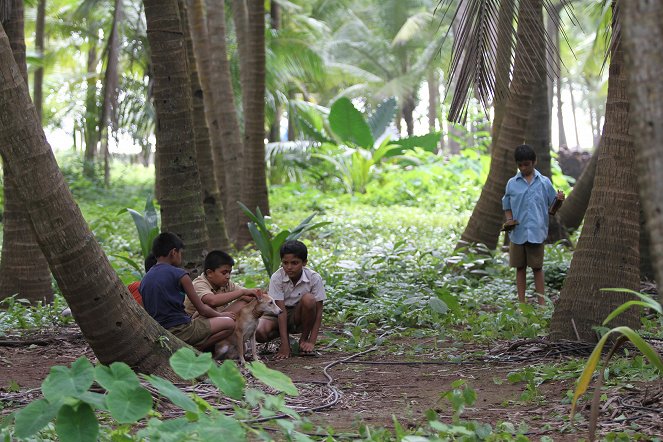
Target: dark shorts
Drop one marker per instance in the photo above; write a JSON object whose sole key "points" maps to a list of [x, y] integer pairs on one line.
{"points": [[292, 327], [194, 333], [526, 255]]}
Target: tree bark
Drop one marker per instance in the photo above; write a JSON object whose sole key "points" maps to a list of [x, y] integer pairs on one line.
{"points": [[503, 62], [38, 81], [573, 210], [90, 125], [228, 156], [23, 267], [115, 326], [254, 189], [607, 252], [487, 218], [212, 204], [642, 33], [180, 197]]}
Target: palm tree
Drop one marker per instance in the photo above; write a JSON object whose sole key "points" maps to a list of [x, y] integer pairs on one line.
{"points": [[607, 254], [23, 267], [116, 328], [178, 180], [642, 32]]}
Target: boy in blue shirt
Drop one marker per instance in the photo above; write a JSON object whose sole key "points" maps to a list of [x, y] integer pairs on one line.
{"points": [[163, 289], [526, 200]]}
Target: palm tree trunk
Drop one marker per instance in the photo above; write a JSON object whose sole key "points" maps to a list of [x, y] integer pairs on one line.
{"points": [[573, 111], [38, 81], [642, 32], [254, 189], [573, 210], [486, 220], [116, 328], [607, 252], [180, 197], [108, 118], [433, 82], [214, 219], [90, 131], [23, 267], [503, 53], [228, 157]]}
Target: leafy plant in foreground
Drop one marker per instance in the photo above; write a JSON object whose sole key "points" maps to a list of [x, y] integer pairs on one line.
{"points": [[70, 400], [626, 334], [269, 244]]}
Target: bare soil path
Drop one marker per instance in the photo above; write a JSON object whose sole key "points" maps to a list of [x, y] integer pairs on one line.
{"points": [[375, 387]]}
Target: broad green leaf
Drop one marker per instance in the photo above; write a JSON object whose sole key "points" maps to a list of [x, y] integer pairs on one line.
{"points": [[188, 365], [95, 400], [116, 373], [428, 142], [228, 379], [349, 125], [165, 431], [63, 381], [34, 417], [273, 378], [174, 394], [438, 306], [221, 427], [77, 424], [128, 405], [384, 114]]}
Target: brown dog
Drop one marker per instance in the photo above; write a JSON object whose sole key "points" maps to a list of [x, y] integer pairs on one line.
{"points": [[246, 323]]}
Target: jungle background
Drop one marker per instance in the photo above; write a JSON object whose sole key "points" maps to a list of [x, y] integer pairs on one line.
{"points": [[382, 133]]}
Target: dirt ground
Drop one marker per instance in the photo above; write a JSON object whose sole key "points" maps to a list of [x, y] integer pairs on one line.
{"points": [[349, 389]]}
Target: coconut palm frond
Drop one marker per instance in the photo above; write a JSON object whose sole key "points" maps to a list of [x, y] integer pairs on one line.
{"points": [[414, 27]]}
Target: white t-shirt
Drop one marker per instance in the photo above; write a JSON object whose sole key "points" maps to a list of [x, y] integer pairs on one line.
{"points": [[281, 288]]}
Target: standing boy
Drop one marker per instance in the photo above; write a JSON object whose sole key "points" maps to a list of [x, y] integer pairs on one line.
{"points": [[300, 293], [525, 203], [215, 288], [163, 289]]}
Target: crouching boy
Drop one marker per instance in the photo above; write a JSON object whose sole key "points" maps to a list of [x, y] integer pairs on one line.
{"points": [[300, 293]]}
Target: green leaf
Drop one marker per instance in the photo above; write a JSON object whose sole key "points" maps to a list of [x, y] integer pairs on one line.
{"points": [[128, 405], [174, 394], [34, 417], [220, 427], [95, 400], [118, 373], [63, 382], [228, 379], [349, 125], [438, 306], [384, 114], [273, 378], [77, 424], [188, 365]]}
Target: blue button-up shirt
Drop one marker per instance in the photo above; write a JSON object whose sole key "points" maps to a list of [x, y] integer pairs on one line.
{"points": [[529, 204]]}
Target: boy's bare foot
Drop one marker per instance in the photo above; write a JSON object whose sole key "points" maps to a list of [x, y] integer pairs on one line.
{"points": [[281, 355], [306, 347]]}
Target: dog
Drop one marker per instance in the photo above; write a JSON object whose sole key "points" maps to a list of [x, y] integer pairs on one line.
{"points": [[246, 323]]}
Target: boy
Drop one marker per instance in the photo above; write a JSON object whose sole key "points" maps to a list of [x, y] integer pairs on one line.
{"points": [[161, 289], [525, 203], [215, 289], [299, 292]]}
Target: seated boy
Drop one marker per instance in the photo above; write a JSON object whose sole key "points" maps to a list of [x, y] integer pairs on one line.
{"points": [[299, 292], [135, 286], [161, 289], [215, 288]]}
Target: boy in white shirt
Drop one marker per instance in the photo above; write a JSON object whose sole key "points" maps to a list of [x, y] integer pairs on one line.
{"points": [[300, 293]]}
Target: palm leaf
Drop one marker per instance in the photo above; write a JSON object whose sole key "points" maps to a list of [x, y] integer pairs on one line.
{"points": [[379, 120], [348, 124]]}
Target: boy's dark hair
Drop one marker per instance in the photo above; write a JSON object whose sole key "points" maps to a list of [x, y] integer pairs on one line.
{"points": [[218, 258], [149, 262], [524, 153], [296, 248], [164, 243]]}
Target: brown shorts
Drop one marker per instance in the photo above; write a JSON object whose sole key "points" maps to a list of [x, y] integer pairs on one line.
{"points": [[292, 327], [526, 255], [194, 333]]}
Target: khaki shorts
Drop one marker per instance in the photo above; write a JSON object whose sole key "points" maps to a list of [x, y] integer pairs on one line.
{"points": [[526, 255], [194, 333], [292, 327]]}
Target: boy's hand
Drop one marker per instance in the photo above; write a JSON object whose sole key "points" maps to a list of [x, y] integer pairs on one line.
{"points": [[306, 346], [256, 293], [283, 353], [231, 315], [509, 225], [560, 195]]}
